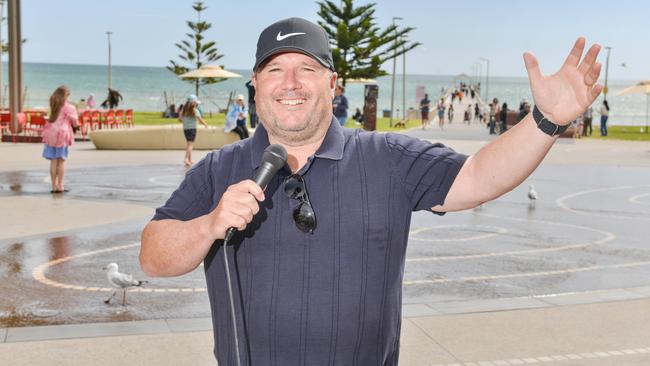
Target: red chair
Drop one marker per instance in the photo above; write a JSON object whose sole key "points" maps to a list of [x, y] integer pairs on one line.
{"points": [[119, 118], [36, 124], [109, 119], [5, 121], [129, 117], [85, 122], [95, 120]]}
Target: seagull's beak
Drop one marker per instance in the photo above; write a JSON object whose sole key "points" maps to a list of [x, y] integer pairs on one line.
{"points": [[104, 268]]}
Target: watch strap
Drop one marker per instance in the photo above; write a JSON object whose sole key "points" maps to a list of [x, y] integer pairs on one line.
{"points": [[544, 124]]}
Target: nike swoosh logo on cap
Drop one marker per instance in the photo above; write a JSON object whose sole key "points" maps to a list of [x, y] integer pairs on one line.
{"points": [[280, 37]]}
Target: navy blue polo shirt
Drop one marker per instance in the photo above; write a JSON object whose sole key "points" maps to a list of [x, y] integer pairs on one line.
{"points": [[332, 297]]}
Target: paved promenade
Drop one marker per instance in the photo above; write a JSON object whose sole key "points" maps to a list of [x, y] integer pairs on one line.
{"points": [[563, 282]]}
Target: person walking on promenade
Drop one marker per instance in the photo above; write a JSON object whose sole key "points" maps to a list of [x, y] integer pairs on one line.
{"points": [[58, 135], [441, 113], [604, 115], [425, 103], [189, 116], [492, 122], [503, 117], [236, 118], [252, 111], [340, 105], [588, 117], [497, 112], [450, 113], [318, 258]]}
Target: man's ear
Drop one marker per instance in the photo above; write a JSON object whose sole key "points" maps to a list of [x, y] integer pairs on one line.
{"points": [[333, 80], [254, 79]]}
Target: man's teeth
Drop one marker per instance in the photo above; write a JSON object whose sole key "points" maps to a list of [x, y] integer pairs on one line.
{"points": [[292, 101]]}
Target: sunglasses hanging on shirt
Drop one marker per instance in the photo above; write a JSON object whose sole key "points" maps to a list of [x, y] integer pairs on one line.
{"points": [[303, 214]]}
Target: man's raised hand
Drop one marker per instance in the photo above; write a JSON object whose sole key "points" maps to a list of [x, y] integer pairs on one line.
{"points": [[563, 96]]}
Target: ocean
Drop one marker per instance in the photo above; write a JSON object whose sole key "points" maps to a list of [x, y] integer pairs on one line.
{"points": [[143, 89]]}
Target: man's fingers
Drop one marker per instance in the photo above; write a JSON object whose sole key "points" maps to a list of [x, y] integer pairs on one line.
{"points": [[250, 202], [532, 66], [592, 76], [590, 59], [596, 90], [250, 187], [576, 53]]}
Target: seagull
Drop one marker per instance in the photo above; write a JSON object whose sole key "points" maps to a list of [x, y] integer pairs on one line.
{"points": [[532, 195], [120, 280]]}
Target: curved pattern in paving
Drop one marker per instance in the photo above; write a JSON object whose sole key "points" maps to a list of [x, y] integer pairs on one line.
{"points": [[39, 275], [579, 238]]}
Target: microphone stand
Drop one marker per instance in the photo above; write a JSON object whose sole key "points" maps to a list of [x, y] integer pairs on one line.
{"points": [[229, 235]]}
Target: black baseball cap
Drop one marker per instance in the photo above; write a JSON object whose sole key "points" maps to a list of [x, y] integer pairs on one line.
{"points": [[294, 34]]}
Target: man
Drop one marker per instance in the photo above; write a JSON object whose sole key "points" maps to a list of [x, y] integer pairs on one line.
{"points": [[113, 99], [340, 105], [523, 111], [425, 103], [252, 111], [330, 293], [587, 117]]}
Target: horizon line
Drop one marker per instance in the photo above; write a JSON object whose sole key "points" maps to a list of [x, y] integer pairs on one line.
{"points": [[246, 69]]}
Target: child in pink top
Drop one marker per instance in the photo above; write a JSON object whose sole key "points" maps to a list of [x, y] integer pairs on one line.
{"points": [[58, 134]]}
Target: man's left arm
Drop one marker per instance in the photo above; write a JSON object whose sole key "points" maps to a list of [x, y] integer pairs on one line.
{"points": [[507, 161]]}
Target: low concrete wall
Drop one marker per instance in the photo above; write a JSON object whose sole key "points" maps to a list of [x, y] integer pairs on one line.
{"points": [[168, 137]]}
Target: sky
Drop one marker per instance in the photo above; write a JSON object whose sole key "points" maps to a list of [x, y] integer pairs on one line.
{"points": [[454, 34]]}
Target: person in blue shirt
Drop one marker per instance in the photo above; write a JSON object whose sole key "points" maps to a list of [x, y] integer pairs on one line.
{"points": [[340, 105], [236, 118]]}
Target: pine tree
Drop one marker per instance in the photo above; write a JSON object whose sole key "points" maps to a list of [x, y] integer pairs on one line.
{"points": [[359, 46], [196, 51]]}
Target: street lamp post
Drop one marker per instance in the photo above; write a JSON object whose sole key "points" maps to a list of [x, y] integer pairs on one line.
{"points": [[15, 61], [110, 78], [606, 89], [404, 85], [392, 89], [480, 75], [2, 8], [487, 79]]}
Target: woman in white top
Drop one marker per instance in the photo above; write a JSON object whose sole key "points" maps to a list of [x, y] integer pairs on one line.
{"points": [[604, 115]]}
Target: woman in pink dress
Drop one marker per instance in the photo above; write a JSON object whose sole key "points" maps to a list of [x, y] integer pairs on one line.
{"points": [[58, 135]]}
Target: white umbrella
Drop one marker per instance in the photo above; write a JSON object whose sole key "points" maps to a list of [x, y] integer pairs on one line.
{"points": [[209, 71], [641, 87], [361, 81]]}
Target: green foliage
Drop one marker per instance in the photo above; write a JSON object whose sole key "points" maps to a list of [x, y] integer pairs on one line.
{"points": [[155, 118], [630, 133], [359, 46], [196, 51]]}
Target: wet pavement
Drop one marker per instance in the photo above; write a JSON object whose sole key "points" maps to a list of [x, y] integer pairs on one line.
{"points": [[586, 233]]}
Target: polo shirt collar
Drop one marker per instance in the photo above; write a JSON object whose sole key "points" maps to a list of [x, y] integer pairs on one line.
{"points": [[331, 148]]}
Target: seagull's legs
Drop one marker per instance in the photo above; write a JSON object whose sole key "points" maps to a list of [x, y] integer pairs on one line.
{"points": [[124, 297], [108, 301]]}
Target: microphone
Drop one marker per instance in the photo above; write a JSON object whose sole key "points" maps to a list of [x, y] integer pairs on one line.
{"points": [[273, 159]]}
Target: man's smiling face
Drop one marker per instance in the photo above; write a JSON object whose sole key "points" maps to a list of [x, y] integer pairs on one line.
{"points": [[294, 96]]}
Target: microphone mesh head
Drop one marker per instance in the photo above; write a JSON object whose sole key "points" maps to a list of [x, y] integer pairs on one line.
{"points": [[276, 155]]}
